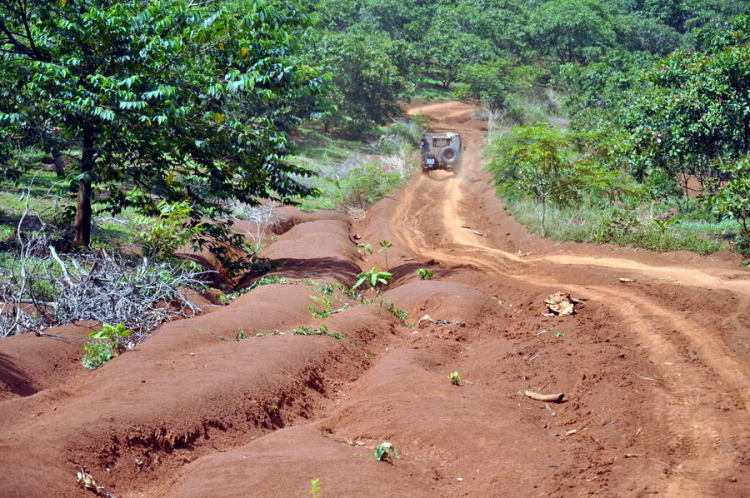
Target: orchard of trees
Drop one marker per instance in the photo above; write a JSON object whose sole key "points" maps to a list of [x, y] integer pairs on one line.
{"points": [[192, 103]]}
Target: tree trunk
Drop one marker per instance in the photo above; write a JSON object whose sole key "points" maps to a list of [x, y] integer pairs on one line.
{"points": [[59, 166], [82, 224]]}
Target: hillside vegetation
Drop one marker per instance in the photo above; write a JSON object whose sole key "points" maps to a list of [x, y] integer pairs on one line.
{"points": [[155, 123]]}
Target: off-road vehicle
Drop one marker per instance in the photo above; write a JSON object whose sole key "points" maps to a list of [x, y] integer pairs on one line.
{"points": [[441, 151]]}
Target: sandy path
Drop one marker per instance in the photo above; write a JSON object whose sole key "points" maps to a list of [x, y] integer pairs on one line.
{"points": [[692, 356]]}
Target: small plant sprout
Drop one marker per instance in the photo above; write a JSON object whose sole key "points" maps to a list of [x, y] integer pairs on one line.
{"points": [[374, 278], [103, 345], [364, 249], [314, 488], [384, 452], [384, 246], [559, 335], [425, 274], [455, 379]]}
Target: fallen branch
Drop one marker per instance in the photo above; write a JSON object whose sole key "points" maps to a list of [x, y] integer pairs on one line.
{"points": [[552, 398]]}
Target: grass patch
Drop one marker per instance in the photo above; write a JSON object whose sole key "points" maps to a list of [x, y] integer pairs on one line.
{"points": [[637, 229], [356, 174], [47, 193]]}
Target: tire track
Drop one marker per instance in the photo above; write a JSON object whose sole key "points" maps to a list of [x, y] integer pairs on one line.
{"points": [[714, 438]]}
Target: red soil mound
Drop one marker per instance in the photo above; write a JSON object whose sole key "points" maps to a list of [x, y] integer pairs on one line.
{"points": [[319, 250], [29, 364], [654, 372]]}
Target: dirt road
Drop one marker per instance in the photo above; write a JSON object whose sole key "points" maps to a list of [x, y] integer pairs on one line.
{"points": [[655, 371], [689, 343]]}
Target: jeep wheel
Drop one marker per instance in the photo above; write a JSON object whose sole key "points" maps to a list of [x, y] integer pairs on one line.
{"points": [[449, 155]]}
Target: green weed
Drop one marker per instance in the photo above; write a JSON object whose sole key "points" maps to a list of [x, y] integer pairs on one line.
{"points": [[425, 274], [385, 451], [455, 379], [323, 330], [103, 345], [374, 279], [314, 488]]}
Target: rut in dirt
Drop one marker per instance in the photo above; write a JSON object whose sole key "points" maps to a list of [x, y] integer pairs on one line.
{"points": [[654, 372], [698, 385]]}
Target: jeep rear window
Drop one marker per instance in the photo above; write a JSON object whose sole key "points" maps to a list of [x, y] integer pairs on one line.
{"points": [[441, 142]]}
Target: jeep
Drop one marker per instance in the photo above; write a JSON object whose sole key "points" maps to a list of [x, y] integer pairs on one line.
{"points": [[441, 151]]}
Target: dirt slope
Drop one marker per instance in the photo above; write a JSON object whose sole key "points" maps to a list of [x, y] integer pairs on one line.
{"points": [[655, 372]]}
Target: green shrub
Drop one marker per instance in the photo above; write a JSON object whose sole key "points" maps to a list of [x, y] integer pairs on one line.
{"points": [[103, 345], [425, 274], [367, 184], [161, 237]]}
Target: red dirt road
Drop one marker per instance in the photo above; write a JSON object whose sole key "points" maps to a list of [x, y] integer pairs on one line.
{"points": [[655, 371]]}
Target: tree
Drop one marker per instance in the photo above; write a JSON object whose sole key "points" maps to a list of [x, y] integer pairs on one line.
{"points": [[733, 200], [363, 68], [449, 44], [572, 30], [499, 83], [693, 117], [536, 161], [184, 101]]}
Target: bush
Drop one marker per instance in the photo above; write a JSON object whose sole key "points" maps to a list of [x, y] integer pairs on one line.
{"points": [[103, 345], [174, 228], [733, 201]]}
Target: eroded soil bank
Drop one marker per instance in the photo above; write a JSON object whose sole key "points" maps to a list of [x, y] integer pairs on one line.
{"points": [[655, 370]]}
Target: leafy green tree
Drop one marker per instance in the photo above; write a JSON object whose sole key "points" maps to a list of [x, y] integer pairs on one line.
{"points": [[733, 200], [684, 15], [449, 44], [572, 30], [694, 115], [364, 71], [640, 33], [556, 166], [188, 101], [499, 83], [723, 33], [597, 93], [535, 161]]}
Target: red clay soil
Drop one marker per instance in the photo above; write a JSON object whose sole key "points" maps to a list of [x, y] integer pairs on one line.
{"points": [[654, 371]]}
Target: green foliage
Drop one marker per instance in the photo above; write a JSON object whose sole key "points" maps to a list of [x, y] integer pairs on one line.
{"points": [[733, 201], [188, 101], [365, 185], [425, 274], [385, 451], [314, 491], [448, 45], [572, 30], [693, 116], [366, 70], [384, 246], [733, 32], [374, 279], [103, 345], [323, 330], [402, 315], [364, 248], [455, 379], [327, 309], [161, 237], [628, 226], [535, 161]]}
